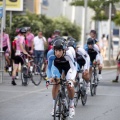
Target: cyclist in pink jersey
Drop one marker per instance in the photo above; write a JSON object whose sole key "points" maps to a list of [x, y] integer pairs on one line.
{"points": [[19, 55], [6, 48], [29, 39]]}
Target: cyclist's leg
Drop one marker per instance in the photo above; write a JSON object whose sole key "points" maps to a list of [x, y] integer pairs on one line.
{"points": [[55, 89], [17, 60], [70, 76], [98, 59]]}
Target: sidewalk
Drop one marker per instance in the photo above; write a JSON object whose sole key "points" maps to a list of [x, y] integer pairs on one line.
{"points": [[109, 67]]}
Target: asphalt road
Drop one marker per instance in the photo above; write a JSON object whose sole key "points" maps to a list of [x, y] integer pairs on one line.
{"points": [[35, 103]]}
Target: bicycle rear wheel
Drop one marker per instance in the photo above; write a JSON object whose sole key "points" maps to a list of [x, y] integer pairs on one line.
{"points": [[84, 95], [77, 92], [24, 76], [36, 77]]}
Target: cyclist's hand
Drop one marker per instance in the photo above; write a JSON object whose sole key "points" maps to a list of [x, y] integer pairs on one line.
{"points": [[47, 83], [52, 80], [28, 55]]}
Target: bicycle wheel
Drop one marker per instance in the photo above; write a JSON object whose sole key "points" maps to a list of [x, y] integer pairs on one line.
{"points": [[83, 94], [60, 111], [36, 77], [77, 92], [24, 76], [92, 85]]}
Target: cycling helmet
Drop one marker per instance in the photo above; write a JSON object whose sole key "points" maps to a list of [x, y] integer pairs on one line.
{"points": [[90, 41], [69, 37], [23, 30], [59, 44], [72, 44], [56, 31]]}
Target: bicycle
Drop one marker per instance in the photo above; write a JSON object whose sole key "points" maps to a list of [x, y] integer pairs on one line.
{"points": [[30, 73], [61, 108], [94, 80], [80, 90]]}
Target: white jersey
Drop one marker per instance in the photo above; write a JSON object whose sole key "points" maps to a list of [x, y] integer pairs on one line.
{"points": [[85, 56], [98, 56]]}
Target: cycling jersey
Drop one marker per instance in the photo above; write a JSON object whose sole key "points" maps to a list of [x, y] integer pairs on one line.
{"points": [[19, 56], [20, 40], [94, 53], [29, 38], [57, 65], [6, 42], [83, 58]]}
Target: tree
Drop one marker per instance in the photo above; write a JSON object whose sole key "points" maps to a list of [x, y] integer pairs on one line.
{"points": [[117, 18], [97, 5], [42, 22]]}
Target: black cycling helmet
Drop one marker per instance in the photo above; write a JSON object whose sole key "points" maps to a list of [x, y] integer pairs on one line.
{"points": [[90, 41], [72, 44], [69, 37], [23, 30], [59, 44]]}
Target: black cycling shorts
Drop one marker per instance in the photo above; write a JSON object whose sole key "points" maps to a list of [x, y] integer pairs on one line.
{"points": [[19, 59]]}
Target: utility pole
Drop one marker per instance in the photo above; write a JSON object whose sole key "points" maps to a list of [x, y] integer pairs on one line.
{"points": [[109, 47], [85, 24]]}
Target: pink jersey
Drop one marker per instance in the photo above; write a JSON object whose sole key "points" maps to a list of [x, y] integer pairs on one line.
{"points": [[6, 41], [29, 38], [20, 40]]}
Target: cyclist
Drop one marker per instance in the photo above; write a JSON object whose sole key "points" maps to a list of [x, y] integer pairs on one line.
{"points": [[13, 49], [29, 39], [83, 60], [93, 36], [60, 59], [19, 55], [94, 53], [6, 49]]}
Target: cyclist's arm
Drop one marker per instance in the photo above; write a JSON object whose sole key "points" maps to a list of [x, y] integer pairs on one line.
{"points": [[50, 58], [117, 56], [86, 57], [72, 63]]}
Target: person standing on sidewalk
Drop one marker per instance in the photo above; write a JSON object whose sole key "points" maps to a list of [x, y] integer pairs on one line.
{"points": [[39, 43], [118, 67]]}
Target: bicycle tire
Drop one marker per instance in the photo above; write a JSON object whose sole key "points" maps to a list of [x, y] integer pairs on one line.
{"points": [[76, 97], [36, 78], [24, 77], [10, 73], [59, 113], [84, 95]]}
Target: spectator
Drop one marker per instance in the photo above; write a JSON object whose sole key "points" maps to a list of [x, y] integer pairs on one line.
{"points": [[38, 46], [118, 67], [105, 45]]}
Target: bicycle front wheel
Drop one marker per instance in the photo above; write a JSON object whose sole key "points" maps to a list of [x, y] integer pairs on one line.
{"points": [[36, 76], [60, 110]]}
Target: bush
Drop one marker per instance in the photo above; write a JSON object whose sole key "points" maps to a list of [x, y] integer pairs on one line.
{"points": [[47, 25]]}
